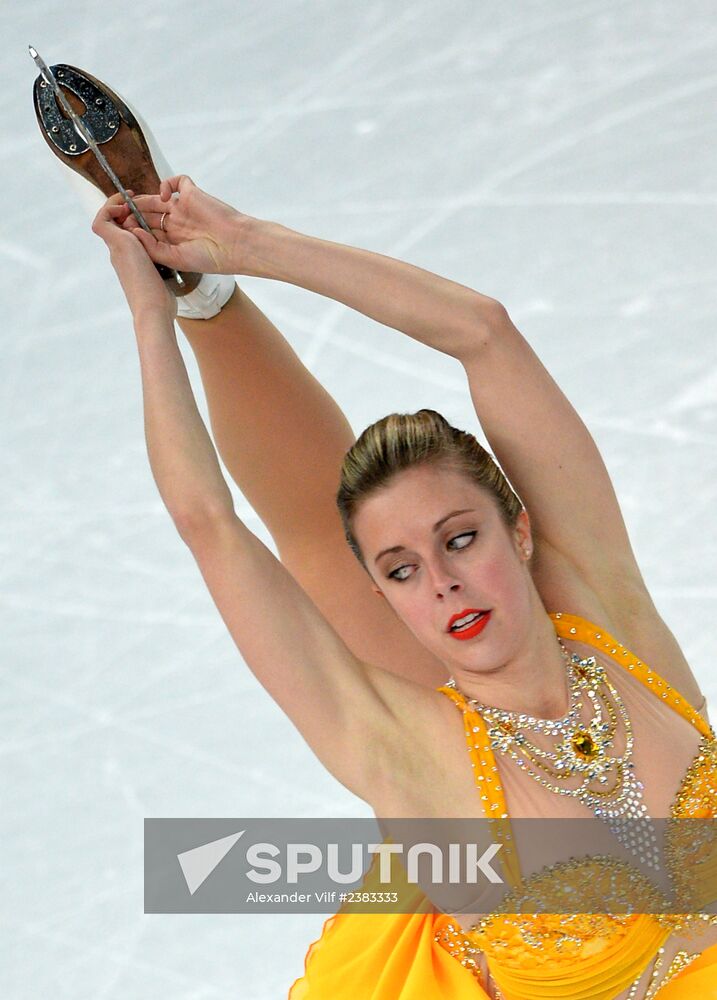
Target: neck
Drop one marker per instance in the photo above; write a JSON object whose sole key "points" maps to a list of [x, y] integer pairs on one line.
{"points": [[533, 682]]}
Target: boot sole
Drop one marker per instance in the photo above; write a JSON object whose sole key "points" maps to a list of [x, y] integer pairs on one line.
{"points": [[119, 135]]}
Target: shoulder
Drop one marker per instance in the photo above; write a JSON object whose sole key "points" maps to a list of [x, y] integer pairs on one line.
{"points": [[637, 624]]}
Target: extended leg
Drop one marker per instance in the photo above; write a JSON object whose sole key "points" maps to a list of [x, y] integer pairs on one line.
{"points": [[280, 434], [282, 438]]}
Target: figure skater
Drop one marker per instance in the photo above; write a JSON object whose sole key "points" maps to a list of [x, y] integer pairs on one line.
{"points": [[505, 571]]}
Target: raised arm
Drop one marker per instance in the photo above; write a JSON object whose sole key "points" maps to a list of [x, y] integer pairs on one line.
{"points": [[581, 542], [583, 559], [534, 432], [204, 233], [340, 705]]}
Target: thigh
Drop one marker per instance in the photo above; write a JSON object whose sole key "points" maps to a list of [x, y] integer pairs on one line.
{"points": [[282, 438]]}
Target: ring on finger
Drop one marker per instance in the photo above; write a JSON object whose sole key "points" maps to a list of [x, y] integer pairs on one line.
{"points": [[161, 222]]}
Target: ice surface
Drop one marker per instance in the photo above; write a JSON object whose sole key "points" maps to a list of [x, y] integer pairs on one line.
{"points": [[560, 157]]}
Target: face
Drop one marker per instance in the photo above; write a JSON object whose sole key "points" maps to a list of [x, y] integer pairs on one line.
{"points": [[436, 567]]}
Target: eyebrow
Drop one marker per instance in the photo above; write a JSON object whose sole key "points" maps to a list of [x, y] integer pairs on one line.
{"points": [[436, 526]]}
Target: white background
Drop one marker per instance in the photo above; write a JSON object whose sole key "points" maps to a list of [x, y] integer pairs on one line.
{"points": [[560, 157]]}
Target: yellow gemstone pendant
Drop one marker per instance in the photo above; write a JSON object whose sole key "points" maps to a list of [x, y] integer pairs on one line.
{"points": [[582, 743]]}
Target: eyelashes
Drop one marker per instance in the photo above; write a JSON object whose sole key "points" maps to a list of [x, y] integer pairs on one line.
{"points": [[464, 534], [469, 535]]}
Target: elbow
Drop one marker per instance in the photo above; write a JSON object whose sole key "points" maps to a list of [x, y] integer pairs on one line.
{"points": [[195, 524], [491, 320], [493, 317]]}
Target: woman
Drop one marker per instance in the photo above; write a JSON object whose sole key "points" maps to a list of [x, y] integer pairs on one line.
{"points": [[446, 549]]}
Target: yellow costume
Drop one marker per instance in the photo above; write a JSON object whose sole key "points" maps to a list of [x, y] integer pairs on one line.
{"points": [[531, 956]]}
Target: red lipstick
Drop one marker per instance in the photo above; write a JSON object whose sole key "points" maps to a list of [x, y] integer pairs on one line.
{"points": [[470, 630]]}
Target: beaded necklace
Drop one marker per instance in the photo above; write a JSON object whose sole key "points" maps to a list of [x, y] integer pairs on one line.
{"points": [[582, 752]]}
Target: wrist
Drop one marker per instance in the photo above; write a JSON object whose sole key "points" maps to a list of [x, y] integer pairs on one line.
{"points": [[262, 243], [151, 316]]}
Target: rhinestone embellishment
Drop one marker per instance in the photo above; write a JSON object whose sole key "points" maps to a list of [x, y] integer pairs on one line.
{"points": [[582, 762]]}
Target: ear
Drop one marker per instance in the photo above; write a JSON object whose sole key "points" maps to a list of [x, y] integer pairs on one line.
{"points": [[523, 535]]}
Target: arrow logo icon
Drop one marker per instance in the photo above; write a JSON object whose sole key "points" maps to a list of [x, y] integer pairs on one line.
{"points": [[199, 863]]}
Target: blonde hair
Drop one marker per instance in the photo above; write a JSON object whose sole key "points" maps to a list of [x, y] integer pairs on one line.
{"points": [[403, 440]]}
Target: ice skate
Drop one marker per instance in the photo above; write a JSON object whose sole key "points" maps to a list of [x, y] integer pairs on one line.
{"points": [[126, 142]]}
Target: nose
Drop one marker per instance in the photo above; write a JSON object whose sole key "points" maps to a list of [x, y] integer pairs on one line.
{"points": [[444, 582]]}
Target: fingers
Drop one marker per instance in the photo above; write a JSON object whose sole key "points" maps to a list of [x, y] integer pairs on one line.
{"points": [[153, 220], [118, 213], [115, 221], [161, 253], [175, 185], [159, 204], [111, 216], [154, 208], [151, 203]]}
